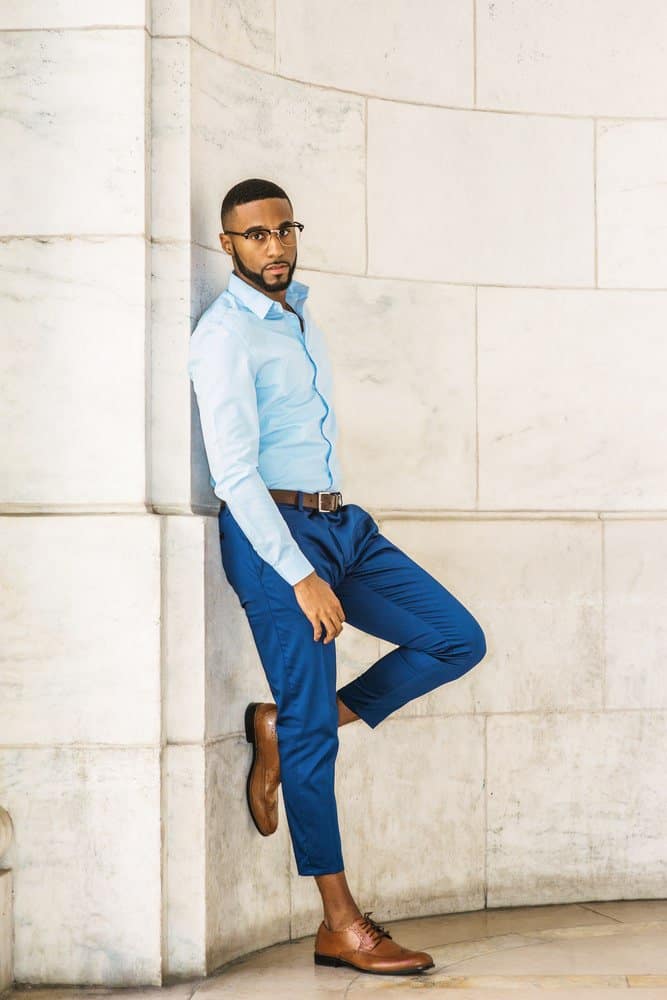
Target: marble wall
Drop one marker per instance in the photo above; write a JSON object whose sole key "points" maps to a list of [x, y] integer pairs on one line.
{"points": [[6, 930], [80, 670], [6, 906], [488, 262], [484, 198]]}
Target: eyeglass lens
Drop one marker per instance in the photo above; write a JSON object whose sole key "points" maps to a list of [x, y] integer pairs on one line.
{"points": [[287, 236]]}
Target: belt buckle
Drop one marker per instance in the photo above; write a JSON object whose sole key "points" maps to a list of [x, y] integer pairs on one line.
{"points": [[337, 503]]}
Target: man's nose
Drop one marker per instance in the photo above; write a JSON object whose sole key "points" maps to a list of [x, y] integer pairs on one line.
{"points": [[275, 246]]}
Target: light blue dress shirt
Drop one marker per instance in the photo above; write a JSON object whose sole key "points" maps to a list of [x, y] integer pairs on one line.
{"points": [[265, 392]]}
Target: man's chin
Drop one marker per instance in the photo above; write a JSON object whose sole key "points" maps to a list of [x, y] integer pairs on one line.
{"points": [[279, 283]]}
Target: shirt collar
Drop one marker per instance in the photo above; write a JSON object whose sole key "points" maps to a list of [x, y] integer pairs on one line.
{"points": [[262, 304]]}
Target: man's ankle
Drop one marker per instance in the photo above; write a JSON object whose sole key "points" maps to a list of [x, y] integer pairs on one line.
{"points": [[339, 921]]}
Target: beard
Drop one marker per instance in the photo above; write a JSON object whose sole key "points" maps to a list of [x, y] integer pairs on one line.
{"points": [[257, 277]]}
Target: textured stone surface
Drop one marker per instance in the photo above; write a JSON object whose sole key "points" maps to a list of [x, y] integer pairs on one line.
{"points": [[499, 199], [421, 54], [72, 13], [6, 830], [635, 614], [171, 147], [86, 863], [80, 623], [632, 204], [568, 415], [184, 629], [6, 929], [171, 323], [581, 57], [237, 29], [184, 860], [73, 384], [66, 85], [247, 875], [576, 807]]}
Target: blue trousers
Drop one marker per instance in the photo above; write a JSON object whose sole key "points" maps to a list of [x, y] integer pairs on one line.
{"points": [[384, 593]]}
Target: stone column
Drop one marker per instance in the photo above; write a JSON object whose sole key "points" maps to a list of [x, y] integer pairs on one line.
{"points": [[80, 722]]}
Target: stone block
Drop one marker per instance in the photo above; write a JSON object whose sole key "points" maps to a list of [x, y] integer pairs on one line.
{"points": [[81, 630], [86, 863], [635, 614], [574, 57], [571, 399], [632, 204], [73, 387], [576, 807], [479, 198], [423, 55], [75, 90]]}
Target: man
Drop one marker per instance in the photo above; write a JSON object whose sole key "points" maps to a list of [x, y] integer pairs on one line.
{"points": [[302, 562]]}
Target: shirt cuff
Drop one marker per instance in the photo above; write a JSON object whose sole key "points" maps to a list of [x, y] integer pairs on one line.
{"points": [[294, 567]]}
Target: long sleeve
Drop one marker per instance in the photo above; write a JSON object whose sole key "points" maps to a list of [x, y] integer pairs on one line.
{"points": [[221, 371]]}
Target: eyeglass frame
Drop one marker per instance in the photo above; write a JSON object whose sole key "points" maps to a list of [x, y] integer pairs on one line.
{"points": [[265, 229]]}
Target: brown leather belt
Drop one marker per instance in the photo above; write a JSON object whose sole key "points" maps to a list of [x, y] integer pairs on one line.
{"points": [[329, 502]]}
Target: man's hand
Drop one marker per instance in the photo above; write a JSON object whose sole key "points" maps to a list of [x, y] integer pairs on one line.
{"points": [[320, 606]]}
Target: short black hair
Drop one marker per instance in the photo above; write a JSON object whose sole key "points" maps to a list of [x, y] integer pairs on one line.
{"points": [[252, 189]]}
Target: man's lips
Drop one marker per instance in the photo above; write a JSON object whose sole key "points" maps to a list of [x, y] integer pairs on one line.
{"points": [[277, 267]]}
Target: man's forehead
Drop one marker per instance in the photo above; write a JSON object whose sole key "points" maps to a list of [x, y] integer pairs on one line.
{"points": [[269, 211]]}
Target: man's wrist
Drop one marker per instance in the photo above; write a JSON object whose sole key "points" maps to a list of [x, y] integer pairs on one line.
{"points": [[294, 566]]}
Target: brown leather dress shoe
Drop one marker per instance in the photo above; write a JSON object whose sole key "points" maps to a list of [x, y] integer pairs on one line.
{"points": [[264, 774], [366, 946]]}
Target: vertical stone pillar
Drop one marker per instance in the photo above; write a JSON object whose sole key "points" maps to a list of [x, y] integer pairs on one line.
{"points": [[80, 713]]}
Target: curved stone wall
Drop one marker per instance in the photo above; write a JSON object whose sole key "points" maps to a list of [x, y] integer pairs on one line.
{"points": [[484, 201]]}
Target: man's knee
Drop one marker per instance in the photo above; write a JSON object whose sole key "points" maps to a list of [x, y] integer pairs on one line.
{"points": [[468, 649], [477, 644]]}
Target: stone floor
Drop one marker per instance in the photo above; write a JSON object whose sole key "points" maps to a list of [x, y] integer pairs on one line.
{"points": [[585, 951]]}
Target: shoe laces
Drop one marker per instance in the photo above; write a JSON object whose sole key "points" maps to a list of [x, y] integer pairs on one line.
{"points": [[376, 931]]}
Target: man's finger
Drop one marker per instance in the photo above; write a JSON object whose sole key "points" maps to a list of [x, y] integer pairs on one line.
{"points": [[327, 626]]}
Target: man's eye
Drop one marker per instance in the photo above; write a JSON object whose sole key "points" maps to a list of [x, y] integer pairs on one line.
{"points": [[286, 230], [257, 236]]}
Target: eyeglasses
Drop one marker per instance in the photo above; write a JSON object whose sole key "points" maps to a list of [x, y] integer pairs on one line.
{"points": [[286, 234]]}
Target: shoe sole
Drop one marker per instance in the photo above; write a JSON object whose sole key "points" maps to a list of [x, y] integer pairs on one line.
{"points": [[249, 722], [330, 960]]}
